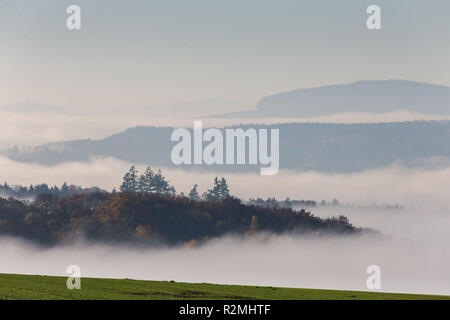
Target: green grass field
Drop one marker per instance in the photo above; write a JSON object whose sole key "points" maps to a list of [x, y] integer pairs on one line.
{"points": [[50, 288]]}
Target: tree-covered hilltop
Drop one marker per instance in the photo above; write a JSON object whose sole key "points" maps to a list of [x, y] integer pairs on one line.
{"points": [[148, 210], [152, 218]]}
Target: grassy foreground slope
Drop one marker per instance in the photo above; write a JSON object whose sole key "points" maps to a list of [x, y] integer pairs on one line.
{"points": [[46, 287]]}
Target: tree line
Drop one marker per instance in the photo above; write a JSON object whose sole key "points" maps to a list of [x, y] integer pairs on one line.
{"points": [[148, 210], [30, 192], [153, 183], [150, 182]]}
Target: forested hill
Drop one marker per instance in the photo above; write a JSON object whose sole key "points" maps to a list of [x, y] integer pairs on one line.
{"points": [[153, 219], [305, 146], [371, 96]]}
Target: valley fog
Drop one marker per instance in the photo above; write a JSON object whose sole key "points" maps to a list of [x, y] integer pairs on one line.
{"points": [[413, 256]]}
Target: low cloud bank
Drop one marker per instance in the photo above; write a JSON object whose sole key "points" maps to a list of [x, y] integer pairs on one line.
{"points": [[391, 185], [39, 127], [338, 263]]}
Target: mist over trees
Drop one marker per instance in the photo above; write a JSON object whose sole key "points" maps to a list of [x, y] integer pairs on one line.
{"points": [[154, 219], [148, 210]]}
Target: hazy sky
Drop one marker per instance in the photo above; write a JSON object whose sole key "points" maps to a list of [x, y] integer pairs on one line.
{"points": [[135, 53]]}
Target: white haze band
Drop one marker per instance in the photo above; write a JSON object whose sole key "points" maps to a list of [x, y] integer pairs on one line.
{"points": [[213, 153]]}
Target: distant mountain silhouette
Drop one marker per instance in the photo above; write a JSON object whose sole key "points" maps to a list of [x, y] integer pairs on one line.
{"points": [[362, 96], [303, 146]]}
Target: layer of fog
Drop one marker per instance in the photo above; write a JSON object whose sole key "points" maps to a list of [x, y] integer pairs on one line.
{"points": [[390, 185], [335, 263], [413, 258], [34, 128]]}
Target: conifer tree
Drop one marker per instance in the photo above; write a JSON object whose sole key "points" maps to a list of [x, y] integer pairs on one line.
{"points": [[219, 191], [160, 185], [130, 181], [193, 194], [145, 181]]}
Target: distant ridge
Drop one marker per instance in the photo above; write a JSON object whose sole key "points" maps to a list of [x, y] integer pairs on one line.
{"points": [[303, 147], [368, 96]]}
